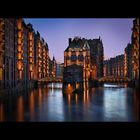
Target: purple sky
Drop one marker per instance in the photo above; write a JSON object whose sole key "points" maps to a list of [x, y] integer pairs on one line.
{"points": [[115, 33]]}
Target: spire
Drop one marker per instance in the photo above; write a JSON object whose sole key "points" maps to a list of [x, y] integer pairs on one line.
{"points": [[53, 58]]}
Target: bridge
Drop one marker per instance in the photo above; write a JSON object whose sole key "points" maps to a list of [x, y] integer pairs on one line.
{"points": [[51, 79], [113, 79]]}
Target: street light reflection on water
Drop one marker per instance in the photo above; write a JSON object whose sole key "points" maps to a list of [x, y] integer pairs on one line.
{"points": [[49, 104]]}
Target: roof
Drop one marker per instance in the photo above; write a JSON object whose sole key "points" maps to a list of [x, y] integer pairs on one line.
{"points": [[83, 43]]}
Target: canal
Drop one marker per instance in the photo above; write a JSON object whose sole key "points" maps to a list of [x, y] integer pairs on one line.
{"points": [[110, 103]]}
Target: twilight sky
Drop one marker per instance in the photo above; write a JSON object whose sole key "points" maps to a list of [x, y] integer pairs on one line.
{"points": [[114, 32]]}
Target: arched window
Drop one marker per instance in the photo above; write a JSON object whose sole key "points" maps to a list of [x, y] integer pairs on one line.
{"points": [[80, 57], [73, 58]]}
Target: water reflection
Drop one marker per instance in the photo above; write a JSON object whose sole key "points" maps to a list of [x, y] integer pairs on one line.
{"points": [[49, 104], [115, 104], [20, 109], [2, 113], [31, 106], [136, 103], [40, 94]]}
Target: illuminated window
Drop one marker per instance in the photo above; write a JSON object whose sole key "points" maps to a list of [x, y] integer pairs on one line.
{"points": [[30, 54], [19, 48], [30, 49], [30, 67], [30, 60], [19, 25], [30, 43], [19, 34], [19, 40], [30, 36], [20, 74], [19, 65], [31, 74], [0, 73], [19, 56]]}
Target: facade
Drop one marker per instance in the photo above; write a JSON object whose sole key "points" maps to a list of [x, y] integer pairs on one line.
{"points": [[2, 52], [73, 78], [128, 61], [52, 67], [82, 55], [7, 52], [97, 55], [59, 69], [86, 53], [114, 66], [24, 55], [135, 49], [41, 57], [78, 53], [30, 52]]}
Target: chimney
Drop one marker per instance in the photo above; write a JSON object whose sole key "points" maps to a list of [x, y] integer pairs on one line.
{"points": [[70, 41]]}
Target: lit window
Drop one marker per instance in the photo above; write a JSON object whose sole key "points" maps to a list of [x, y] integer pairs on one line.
{"points": [[19, 25], [19, 34], [19, 41], [30, 36], [31, 54], [30, 67], [20, 74], [19, 56], [19, 48], [0, 73]]}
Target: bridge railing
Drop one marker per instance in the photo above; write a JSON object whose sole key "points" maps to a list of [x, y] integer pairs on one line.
{"points": [[114, 79]]}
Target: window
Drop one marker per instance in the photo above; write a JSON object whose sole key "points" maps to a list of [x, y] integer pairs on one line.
{"points": [[0, 73], [80, 57], [19, 65], [20, 74], [73, 58]]}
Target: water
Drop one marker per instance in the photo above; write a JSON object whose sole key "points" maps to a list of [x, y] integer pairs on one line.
{"points": [[48, 104]]}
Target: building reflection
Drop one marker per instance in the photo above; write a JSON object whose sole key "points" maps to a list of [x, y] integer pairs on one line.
{"points": [[136, 103], [40, 99], [93, 104], [2, 113], [76, 98], [70, 95], [86, 94], [20, 109], [69, 98], [31, 105]]}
